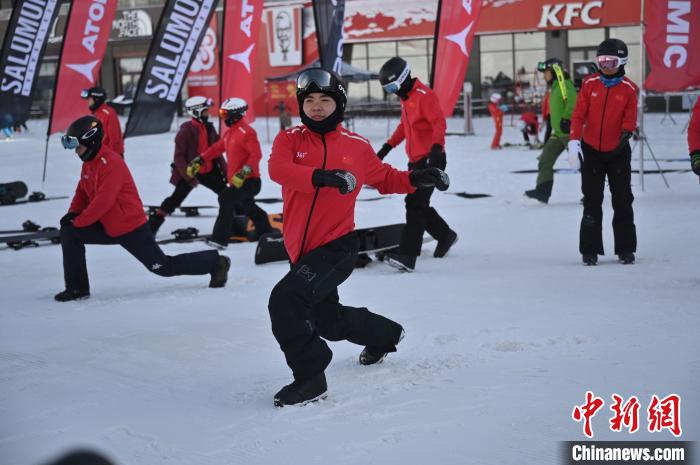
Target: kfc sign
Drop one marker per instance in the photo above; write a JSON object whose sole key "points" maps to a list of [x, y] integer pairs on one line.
{"points": [[563, 14]]}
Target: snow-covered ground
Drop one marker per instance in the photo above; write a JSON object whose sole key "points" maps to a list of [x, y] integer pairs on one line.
{"points": [[503, 337]]}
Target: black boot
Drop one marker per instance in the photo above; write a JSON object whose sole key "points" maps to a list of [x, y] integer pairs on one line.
{"points": [[444, 246], [155, 221], [590, 259], [542, 192], [400, 262], [371, 355], [220, 275], [68, 295], [300, 393], [626, 258]]}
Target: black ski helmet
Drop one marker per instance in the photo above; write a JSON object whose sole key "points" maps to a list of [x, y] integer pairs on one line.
{"points": [[326, 82], [86, 131], [395, 75], [542, 66], [614, 47], [98, 94]]}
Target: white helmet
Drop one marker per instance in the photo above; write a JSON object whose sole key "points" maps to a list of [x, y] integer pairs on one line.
{"points": [[496, 97], [232, 109], [196, 105]]}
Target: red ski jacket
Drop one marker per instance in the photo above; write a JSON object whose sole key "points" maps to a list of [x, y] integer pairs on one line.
{"points": [[110, 124], [240, 142], [422, 123], [106, 193], [530, 118], [694, 129], [496, 113], [314, 216], [602, 113]]}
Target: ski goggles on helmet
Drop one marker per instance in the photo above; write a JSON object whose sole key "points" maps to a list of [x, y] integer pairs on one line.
{"points": [[85, 93], [610, 61], [69, 142], [323, 79], [226, 113], [394, 86]]}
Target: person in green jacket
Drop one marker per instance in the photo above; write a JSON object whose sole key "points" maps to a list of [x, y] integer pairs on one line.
{"points": [[562, 99]]}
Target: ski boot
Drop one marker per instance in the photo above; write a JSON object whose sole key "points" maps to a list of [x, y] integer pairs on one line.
{"points": [[300, 393]]}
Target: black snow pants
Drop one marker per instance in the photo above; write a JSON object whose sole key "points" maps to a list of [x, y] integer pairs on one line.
{"points": [[214, 180], [304, 308], [242, 199]]}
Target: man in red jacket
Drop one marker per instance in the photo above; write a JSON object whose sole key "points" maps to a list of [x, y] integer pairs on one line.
{"points": [[243, 152], [106, 209], [602, 123], [321, 167], [423, 126], [113, 139], [194, 137], [694, 138]]}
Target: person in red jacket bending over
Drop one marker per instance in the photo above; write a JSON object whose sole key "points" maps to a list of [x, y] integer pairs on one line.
{"points": [[243, 153], [321, 167], [113, 138], [423, 126], [602, 124], [694, 138], [106, 209]]}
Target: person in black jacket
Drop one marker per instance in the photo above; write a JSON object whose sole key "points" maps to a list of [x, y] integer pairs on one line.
{"points": [[193, 138]]}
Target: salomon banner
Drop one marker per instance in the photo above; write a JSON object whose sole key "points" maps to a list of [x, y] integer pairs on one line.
{"points": [[83, 48], [22, 50], [672, 33], [181, 28], [454, 35], [203, 79], [241, 29], [328, 17]]}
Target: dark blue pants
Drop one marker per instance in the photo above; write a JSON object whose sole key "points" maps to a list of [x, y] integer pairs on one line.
{"points": [[140, 243], [304, 307]]}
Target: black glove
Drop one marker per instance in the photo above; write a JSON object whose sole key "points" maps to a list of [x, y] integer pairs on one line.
{"points": [[436, 157], [624, 138], [695, 162], [67, 219], [430, 177], [344, 180], [565, 125], [384, 151]]}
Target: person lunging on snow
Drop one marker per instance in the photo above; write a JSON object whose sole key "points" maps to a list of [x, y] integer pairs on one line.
{"points": [[423, 126], [694, 138], [194, 137], [321, 167], [562, 99], [243, 152], [96, 98], [601, 126], [106, 209]]}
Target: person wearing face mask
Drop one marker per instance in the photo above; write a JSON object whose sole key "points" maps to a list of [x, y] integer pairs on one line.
{"points": [[423, 127], [106, 209], [243, 176], [96, 97], [561, 102], [602, 124], [321, 167], [194, 137]]}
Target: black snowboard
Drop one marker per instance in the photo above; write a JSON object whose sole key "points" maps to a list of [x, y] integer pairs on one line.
{"points": [[10, 192], [33, 198], [271, 246], [467, 195]]}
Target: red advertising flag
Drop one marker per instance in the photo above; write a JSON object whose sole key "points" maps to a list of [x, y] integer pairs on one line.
{"points": [[203, 78], [672, 39], [241, 28], [85, 42], [454, 35]]}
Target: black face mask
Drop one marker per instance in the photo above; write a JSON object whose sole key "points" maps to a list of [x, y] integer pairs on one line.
{"points": [[90, 153], [326, 125], [232, 120], [406, 87], [98, 103], [620, 73]]}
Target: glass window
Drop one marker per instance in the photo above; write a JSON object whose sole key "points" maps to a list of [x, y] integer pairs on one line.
{"points": [[493, 63], [586, 37], [359, 51], [497, 42], [412, 48], [629, 35], [375, 89], [382, 49], [633, 70], [530, 40], [419, 67], [527, 60], [48, 68]]}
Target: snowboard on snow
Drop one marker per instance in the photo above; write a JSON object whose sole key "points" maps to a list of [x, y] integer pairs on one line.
{"points": [[27, 226], [243, 231], [467, 195], [10, 192], [33, 197], [270, 246], [32, 239]]}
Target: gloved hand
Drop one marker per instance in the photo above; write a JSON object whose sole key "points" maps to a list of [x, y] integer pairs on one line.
{"points": [[504, 108], [565, 125], [624, 138], [344, 180], [239, 178], [575, 154], [194, 166], [384, 151], [67, 219], [695, 162], [430, 177], [436, 157]]}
